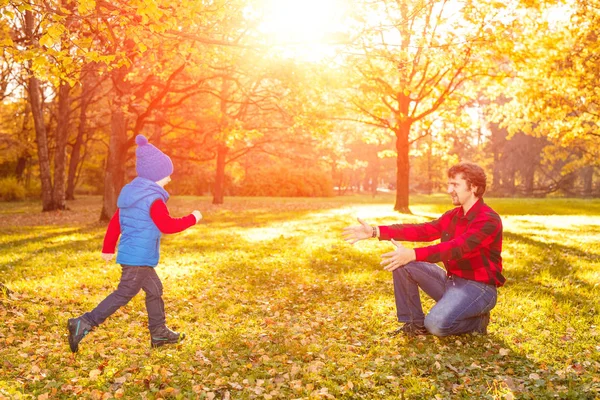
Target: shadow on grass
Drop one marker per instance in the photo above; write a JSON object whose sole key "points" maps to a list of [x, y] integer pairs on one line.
{"points": [[551, 246], [39, 238], [553, 261], [23, 264]]}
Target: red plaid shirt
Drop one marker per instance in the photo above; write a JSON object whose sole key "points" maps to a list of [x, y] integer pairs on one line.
{"points": [[470, 246]]}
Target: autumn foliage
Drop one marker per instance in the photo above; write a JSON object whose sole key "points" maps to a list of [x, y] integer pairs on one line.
{"points": [[366, 95]]}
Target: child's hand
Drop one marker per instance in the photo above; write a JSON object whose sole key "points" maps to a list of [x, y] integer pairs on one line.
{"points": [[107, 256], [198, 215]]}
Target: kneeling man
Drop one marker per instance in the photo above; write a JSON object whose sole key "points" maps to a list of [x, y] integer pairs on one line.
{"points": [[470, 248]]}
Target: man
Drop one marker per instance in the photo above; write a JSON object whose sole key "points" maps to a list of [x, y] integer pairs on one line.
{"points": [[470, 248]]}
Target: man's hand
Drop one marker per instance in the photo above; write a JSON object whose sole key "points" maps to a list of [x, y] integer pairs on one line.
{"points": [[108, 256], [353, 234], [198, 215], [398, 258]]}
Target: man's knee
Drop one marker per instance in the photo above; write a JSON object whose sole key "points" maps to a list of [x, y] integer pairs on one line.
{"points": [[438, 325], [404, 271]]}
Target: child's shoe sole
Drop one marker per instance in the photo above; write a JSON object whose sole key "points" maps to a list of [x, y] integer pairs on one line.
{"points": [[158, 342]]}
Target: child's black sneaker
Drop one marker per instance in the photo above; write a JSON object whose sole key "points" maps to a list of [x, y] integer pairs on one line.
{"points": [[78, 329], [163, 335]]}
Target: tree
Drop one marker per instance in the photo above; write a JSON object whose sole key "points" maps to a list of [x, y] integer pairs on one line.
{"points": [[45, 49], [409, 59], [552, 89], [35, 100]]}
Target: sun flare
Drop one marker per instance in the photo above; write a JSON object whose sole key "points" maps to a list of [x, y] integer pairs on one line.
{"points": [[302, 28]]}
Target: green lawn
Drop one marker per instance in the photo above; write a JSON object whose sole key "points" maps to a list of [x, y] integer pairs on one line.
{"points": [[277, 306]]}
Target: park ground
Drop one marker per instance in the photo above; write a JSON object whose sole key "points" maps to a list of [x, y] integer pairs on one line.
{"points": [[277, 306]]}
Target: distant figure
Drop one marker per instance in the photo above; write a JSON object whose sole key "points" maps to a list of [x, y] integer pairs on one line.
{"points": [[141, 219], [470, 248]]}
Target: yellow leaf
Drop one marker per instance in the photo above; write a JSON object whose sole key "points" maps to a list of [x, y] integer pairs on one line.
{"points": [[24, 7], [86, 6], [92, 55], [39, 62], [47, 40], [56, 30]]}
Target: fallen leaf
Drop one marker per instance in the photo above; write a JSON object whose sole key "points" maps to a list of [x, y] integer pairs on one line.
{"points": [[95, 373]]}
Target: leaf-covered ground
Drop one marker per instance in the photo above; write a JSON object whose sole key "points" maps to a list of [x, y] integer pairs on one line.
{"points": [[276, 305]]}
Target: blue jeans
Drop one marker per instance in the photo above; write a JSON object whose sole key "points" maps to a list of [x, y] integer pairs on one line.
{"points": [[462, 305], [133, 279]]}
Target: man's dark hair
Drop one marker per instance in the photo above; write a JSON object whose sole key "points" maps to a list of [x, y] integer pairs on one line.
{"points": [[472, 173]]}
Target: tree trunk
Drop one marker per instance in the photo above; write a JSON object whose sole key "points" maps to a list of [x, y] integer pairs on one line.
{"points": [[375, 177], [528, 174], [114, 177], [403, 125], [24, 155], [41, 137], [219, 188], [74, 161], [402, 167], [86, 95], [496, 183], [496, 170], [60, 154], [567, 184], [508, 182], [21, 164], [222, 149], [429, 186], [587, 175]]}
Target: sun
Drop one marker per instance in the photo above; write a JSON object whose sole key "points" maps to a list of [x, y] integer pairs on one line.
{"points": [[302, 28]]}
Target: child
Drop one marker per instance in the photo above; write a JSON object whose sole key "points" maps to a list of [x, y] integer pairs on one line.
{"points": [[142, 216]]}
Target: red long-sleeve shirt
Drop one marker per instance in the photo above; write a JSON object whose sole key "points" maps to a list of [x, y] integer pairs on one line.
{"points": [[470, 247], [161, 217]]}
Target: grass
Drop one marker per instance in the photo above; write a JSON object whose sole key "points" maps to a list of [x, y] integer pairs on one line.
{"points": [[277, 306]]}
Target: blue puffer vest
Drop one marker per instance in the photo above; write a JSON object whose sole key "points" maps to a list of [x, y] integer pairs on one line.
{"points": [[140, 238]]}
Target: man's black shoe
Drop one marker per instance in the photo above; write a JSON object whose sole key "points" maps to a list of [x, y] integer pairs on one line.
{"points": [[78, 329], [410, 329], [163, 335], [485, 321]]}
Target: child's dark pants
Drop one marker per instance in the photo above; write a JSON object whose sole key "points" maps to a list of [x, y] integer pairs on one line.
{"points": [[133, 278]]}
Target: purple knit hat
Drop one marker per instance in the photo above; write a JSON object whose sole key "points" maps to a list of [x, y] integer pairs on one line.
{"points": [[151, 163]]}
